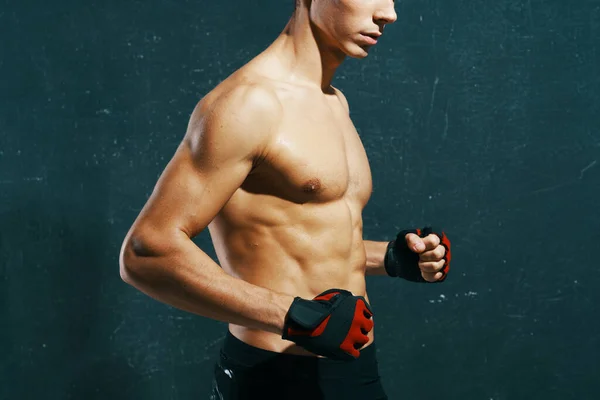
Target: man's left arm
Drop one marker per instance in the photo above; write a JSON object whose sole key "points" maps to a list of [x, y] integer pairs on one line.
{"points": [[419, 255], [375, 257]]}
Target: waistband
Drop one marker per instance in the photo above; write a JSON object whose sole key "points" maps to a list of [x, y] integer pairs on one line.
{"points": [[236, 351]]}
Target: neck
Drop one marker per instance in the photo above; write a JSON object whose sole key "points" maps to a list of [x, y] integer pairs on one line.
{"points": [[304, 54]]}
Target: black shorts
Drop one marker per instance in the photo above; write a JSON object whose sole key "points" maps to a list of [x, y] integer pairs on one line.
{"points": [[244, 372]]}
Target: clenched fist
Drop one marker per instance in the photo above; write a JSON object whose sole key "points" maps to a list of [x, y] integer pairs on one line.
{"points": [[419, 255], [431, 255]]}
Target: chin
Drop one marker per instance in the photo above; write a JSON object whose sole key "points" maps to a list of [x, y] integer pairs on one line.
{"points": [[358, 52]]}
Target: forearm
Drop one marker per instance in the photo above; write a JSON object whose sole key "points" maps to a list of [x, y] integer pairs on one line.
{"points": [[375, 252], [187, 278]]}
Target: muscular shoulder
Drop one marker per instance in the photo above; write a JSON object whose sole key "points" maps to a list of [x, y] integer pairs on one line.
{"points": [[238, 121], [341, 98]]}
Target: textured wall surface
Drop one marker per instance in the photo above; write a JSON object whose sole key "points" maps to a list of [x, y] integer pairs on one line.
{"points": [[480, 116]]}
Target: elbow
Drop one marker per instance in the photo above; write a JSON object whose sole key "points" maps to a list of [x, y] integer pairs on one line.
{"points": [[137, 258], [128, 263]]}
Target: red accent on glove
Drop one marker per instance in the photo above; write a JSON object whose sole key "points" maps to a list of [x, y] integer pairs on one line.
{"points": [[362, 322]]}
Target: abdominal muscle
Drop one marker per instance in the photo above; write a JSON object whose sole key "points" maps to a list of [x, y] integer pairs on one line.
{"points": [[295, 249]]}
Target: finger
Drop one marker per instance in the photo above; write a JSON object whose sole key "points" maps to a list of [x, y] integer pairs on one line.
{"points": [[431, 241], [366, 326], [432, 266], [362, 303], [354, 352], [436, 254], [432, 277], [415, 243], [360, 343]]}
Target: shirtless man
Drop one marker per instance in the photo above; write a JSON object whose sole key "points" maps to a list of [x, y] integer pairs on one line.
{"points": [[273, 166]]}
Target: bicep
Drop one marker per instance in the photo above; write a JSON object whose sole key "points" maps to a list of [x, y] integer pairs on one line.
{"points": [[191, 192], [211, 163]]}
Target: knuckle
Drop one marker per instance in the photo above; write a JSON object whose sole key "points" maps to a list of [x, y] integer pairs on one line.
{"points": [[432, 266], [434, 239], [426, 267], [440, 252]]}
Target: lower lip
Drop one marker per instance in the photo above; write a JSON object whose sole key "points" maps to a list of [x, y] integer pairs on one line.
{"points": [[369, 39]]}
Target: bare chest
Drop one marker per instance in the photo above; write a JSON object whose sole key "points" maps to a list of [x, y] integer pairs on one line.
{"points": [[316, 156]]}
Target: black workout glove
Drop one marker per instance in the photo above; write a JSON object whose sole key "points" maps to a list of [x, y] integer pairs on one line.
{"points": [[400, 261], [334, 324]]}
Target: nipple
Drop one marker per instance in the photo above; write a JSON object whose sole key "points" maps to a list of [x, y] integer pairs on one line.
{"points": [[312, 186]]}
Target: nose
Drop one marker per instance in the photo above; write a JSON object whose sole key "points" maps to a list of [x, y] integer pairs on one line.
{"points": [[386, 13]]}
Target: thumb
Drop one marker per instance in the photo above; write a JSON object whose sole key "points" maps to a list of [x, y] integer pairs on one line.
{"points": [[415, 243]]}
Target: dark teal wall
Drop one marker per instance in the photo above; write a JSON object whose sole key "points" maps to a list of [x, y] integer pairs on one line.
{"points": [[480, 116]]}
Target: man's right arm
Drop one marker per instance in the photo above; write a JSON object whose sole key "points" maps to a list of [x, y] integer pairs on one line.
{"points": [[158, 256]]}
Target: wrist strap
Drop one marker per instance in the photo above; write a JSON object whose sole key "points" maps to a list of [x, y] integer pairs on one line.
{"points": [[400, 261]]}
